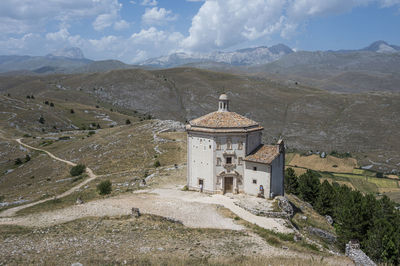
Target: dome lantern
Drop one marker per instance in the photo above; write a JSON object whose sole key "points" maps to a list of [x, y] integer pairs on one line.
{"points": [[223, 103]]}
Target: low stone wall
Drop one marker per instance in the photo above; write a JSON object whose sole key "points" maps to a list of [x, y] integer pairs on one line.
{"points": [[258, 212]]}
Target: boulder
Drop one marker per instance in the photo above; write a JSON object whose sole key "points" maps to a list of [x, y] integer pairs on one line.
{"points": [[79, 201], [285, 206], [135, 212], [322, 234], [329, 219]]}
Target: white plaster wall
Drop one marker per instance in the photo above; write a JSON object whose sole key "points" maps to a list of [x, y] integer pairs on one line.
{"points": [[201, 161], [277, 176], [262, 175], [253, 141]]}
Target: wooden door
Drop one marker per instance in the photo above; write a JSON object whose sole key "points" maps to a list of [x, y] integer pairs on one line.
{"points": [[229, 184]]}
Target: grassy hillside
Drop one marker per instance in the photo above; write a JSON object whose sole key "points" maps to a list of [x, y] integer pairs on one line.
{"points": [[307, 118]]}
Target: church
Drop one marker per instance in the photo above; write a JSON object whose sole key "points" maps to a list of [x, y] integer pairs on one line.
{"points": [[225, 155]]}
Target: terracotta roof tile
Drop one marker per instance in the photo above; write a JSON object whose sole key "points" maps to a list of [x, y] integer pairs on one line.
{"points": [[263, 154], [223, 120]]}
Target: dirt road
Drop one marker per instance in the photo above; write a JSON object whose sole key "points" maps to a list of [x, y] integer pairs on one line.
{"points": [[92, 176]]}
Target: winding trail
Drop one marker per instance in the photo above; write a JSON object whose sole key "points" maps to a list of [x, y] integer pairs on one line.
{"points": [[92, 176]]}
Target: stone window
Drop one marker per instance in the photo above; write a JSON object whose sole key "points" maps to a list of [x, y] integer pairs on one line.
{"points": [[218, 161], [218, 146], [254, 181], [229, 144], [228, 160], [254, 168], [240, 161], [240, 146]]}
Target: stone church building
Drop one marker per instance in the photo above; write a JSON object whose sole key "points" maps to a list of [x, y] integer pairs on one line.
{"points": [[225, 155]]}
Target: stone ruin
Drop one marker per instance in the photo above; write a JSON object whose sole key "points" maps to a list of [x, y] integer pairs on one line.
{"points": [[354, 252]]}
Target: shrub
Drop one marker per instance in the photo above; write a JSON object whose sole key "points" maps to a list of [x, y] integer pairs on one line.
{"points": [[77, 169], [128, 122], [72, 111], [157, 164], [104, 187], [41, 120], [27, 158], [18, 161], [185, 188], [1, 198], [91, 132], [379, 175], [51, 104], [46, 102]]}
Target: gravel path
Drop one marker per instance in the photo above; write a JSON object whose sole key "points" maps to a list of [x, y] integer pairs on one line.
{"points": [[92, 176]]}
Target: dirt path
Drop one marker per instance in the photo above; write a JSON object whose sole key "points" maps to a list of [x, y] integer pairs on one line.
{"points": [[194, 209], [92, 176]]}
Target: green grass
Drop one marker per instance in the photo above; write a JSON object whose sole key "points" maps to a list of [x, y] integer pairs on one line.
{"points": [[363, 183]]}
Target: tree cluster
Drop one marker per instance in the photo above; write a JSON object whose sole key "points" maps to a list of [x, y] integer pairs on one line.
{"points": [[374, 222]]}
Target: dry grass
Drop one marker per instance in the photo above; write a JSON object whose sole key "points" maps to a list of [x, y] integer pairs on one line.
{"points": [[315, 162]]}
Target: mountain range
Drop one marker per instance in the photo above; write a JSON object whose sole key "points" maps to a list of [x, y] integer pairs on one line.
{"points": [[372, 68]]}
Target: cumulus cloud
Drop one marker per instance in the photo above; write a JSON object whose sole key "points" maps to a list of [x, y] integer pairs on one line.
{"points": [[27, 15], [157, 16], [223, 23], [149, 3]]}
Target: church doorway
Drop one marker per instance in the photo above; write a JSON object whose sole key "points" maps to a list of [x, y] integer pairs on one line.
{"points": [[228, 184]]}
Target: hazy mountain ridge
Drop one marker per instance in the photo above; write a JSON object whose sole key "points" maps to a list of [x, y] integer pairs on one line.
{"points": [[247, 56]]}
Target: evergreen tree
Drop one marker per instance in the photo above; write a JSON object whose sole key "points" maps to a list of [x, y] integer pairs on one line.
{"points": [[309, 186], [291, 181], [325, 199]]}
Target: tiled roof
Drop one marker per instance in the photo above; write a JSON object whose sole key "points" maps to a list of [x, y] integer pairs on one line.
{"points": [[263, 154], [223, 120]]}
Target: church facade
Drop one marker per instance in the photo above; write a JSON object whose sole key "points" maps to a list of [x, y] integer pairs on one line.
{"points": [[225, 155]]}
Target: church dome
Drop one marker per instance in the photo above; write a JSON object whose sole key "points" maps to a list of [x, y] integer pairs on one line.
{"points": [[223, 120]]}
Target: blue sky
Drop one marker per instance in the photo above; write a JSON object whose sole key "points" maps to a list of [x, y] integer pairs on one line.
{"points": [[132, 31]]}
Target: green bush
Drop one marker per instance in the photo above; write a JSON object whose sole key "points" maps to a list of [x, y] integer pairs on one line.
{"points": [[27, 158], [18, 161], [128, 122], [104, 187], [157, 164], [77, 170]]}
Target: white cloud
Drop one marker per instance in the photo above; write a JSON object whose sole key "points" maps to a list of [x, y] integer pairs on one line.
{"points": [[121, 25], [157, 16], [149, 3], [104, 21], [27, 15], [60, 35], [224, 23]]}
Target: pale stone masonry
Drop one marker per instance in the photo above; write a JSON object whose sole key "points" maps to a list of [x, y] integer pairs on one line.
{"points": [[225, 155]]}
